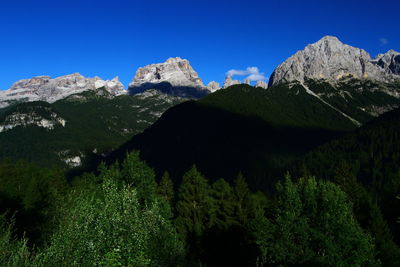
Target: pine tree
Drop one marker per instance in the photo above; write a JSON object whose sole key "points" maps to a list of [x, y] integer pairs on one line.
{"points": [[194, 203], [223, 208], [368, 215], [243, 198], [347, 181], [166, 188]]}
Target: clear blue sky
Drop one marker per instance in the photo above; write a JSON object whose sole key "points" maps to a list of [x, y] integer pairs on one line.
{"points": [[114, 38]]}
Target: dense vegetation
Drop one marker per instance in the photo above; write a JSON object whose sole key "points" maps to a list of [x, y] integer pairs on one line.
{"points": [[281, 105], [95, 124], [241, 128], [275, 179], [122, 217], [358, 98], [369, 156]]}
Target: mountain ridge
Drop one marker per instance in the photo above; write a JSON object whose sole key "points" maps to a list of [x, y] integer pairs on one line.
{"points": [[329, 59], [45, 88], [70, 131]]}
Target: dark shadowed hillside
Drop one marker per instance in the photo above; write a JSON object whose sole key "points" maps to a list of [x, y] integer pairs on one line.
{"points": [[239, 129]]}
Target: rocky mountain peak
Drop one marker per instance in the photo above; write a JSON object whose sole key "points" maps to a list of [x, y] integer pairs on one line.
{"points": [[174, 59], [229, 82], [390, 61], [213, 86], [262, 84], [331, 60], [328, 40], [175, 76]]}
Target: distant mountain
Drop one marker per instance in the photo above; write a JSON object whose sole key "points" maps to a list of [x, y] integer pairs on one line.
{"points": [[213, 86], [389, 61], [174, 77], [344, 78], [331, 60], [229, 82], [44, 88], [71, 131]]}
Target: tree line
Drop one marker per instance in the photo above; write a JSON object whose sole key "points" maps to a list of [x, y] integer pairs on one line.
{"points": [[121, 216]]}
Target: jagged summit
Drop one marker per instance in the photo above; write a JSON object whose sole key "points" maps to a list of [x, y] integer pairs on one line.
{"points": [[390, 61], [174, 59], [329, 39], [175, 76], [229, 82], [45, 88], [213, 86], [330, 59], [262, 84]]}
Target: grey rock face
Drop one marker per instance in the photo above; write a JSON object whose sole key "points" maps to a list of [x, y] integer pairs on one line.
{"points": [[262, 84], [331, 60], [213, 86], [229, 82], [32, 118], [45, 88], [175, 76], [390, 62]]}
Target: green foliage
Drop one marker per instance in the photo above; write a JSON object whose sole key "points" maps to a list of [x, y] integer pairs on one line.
{"points": [[223, 205], [369, 215], [366, 166], [279, 105], [13, 252], [166, 188], [313, 224], [110, 227], [242, 193], [138, 174], [121, 217], [31, 194], [194, 203], [215, 220], [252, 132], [354, 97], [93, 123]]}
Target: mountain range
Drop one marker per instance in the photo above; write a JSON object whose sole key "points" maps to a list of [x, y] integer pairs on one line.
{"points": [[302, 170], [329, 86], [259, 131]]}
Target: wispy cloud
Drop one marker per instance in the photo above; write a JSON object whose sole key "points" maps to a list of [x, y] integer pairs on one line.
{"points": [[251, 73], [383, 41]]}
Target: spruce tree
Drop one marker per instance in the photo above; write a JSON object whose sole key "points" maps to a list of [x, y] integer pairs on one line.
{"points": [[194, 203], [243, 198], [368, 215], [166, 188], [223, 208]]}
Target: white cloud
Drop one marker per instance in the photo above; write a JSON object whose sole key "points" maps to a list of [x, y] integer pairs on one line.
{"points": [[251, 73], [384, 41]]}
